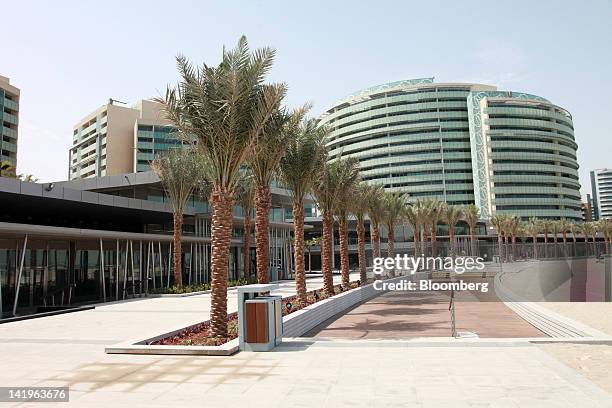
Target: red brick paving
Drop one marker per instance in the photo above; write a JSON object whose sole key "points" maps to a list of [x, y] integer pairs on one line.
{"points": [[401, 315]]}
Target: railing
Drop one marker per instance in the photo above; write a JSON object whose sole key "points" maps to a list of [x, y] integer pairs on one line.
{"points": [[63, 290], [451, 308]]}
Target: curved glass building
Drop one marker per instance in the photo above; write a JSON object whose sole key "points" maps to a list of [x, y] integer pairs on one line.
{"points": [[506, 152]]}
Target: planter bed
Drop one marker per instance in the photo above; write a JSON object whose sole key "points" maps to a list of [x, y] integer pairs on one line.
{"points": [[296, 321]]}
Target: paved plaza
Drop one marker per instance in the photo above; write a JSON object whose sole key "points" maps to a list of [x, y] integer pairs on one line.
{"points": [[415, 371]]}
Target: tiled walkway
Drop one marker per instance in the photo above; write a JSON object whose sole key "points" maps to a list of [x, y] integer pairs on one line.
{"points": [[402, 315]]}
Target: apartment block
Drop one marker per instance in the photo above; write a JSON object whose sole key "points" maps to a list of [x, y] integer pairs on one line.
{"points": [[116, 139], [9, 118], [601, 188]]}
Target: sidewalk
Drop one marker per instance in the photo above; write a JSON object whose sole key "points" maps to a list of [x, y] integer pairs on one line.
{"points": [[42, 348]]}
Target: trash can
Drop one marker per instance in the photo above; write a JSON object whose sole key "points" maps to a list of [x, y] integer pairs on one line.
{"points": [[260, 318]]}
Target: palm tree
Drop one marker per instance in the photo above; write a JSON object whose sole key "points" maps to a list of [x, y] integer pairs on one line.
{"points": [[394, 205], [264, 160], [554, 229], [573, 229], [304, 156], [521, 234], [594, 236], [424, 216], [245, 197], [451, 215], [563, 229], [499, 222], [375, 211], [411, 218], [533, 228], [346, 180], [360, 208], [471, 213], [605, 226], [436, 208], [588, 230], [513, 226], [546, 226], [309, 244], [324, 189], [180, 171], [225, 108], [7, 169]]}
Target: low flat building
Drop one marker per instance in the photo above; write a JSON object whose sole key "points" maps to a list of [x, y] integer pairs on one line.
{"points": [[108, 238]]}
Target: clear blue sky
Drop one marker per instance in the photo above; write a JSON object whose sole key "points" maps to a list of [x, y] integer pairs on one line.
{"points": [[69, 57]]}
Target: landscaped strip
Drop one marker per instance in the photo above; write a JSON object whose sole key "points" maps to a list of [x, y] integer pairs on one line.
{"points": [[295, 323]]}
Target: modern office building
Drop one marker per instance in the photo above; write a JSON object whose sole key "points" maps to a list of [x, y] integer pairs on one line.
{"points": [[9, 118], [601, 188], [110, 238], [507, 152], [117, 139]]}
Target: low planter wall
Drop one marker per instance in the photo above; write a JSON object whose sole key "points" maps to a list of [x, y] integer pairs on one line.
{"points": [[294, 325]]}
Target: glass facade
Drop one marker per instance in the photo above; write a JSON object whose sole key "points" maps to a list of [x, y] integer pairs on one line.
{"points": [[462, 144], [151, 140], [410, 138]]}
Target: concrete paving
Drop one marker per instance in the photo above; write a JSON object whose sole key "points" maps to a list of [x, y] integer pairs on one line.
{"points": [[329, 374], [67, 350]]}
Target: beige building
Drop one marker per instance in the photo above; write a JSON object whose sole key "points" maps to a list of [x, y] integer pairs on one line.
{"points": [[112, 139], [9, 117]]}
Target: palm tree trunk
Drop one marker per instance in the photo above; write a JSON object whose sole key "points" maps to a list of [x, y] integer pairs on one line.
{"points": [[500, 247], [298, 225], [434, 243], [555, 245], [574, 247], [425, 249], [417, 241], [390, 245], [451, 237], [246, 247], [221, 235], [328, 279], [390, 241], [375, 237], [344, 255], [586, 245], [473, 241], [262, 232], [178, 249], [594, 246], [363, 277], [546, 244], [513, 247], [535, 247], [564, 243]]}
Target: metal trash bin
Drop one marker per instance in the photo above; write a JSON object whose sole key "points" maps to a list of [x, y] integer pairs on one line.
{"points": [[260, 318]]}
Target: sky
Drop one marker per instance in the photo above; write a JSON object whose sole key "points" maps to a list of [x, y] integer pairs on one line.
{"points": [[70, 57]]}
